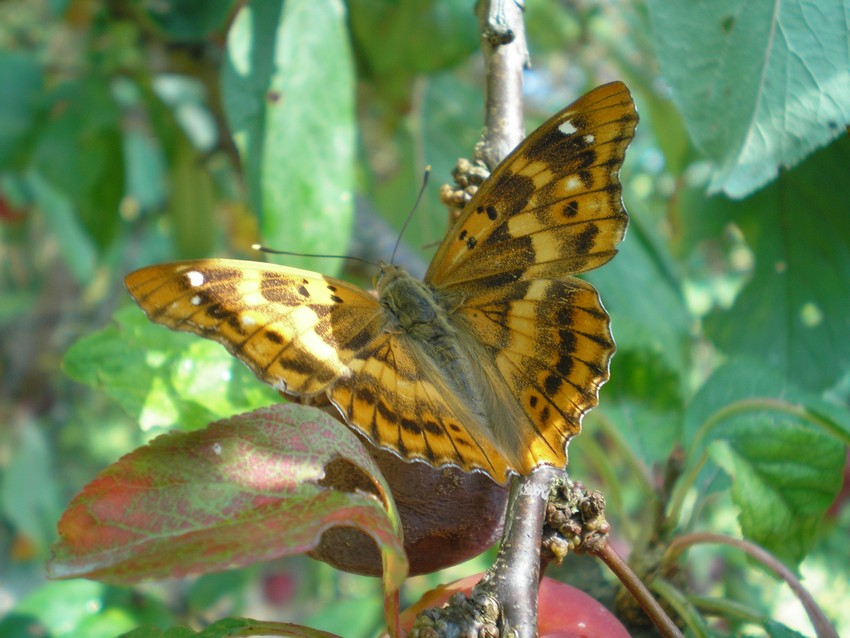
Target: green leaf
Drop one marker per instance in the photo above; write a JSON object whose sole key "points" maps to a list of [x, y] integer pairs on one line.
{"points": [[188, 19], [21, 79], [86, 135], [437, 135], [164, 378], [75, 244], [29, 497], [778, 630], [191, 202], [650, 324], [288, 91], [56, 610], [786, 466], [415, 37], [794, 313], [643, 295], [245, 490], [761, 84]]}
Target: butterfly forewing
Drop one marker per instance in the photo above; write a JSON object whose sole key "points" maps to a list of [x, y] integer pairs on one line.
{"points": [[553, 206], [295, 329]]}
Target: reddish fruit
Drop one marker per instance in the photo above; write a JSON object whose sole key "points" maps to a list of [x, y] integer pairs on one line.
{"points": [[563, 611]]}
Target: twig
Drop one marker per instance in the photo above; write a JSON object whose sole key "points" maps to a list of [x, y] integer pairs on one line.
{"points": [[514, 577], [643, 596], [505, 57]]}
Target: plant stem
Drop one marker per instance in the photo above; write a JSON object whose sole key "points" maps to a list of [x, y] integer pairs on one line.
{"points": [[823, 628], [645, 599]]}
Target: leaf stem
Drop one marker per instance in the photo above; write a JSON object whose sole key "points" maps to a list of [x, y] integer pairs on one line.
{"points": [[823, 628]]}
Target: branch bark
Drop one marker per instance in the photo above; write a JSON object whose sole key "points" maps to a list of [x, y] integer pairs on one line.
{"points": [[513, 578], [505, 56]]}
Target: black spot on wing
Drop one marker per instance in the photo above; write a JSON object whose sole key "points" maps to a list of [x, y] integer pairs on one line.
{"points": [[409, 425], [513, 192], [217, 311], [571, 208], [552, 384], [360, 339], [219, 274], [586, 158], [273, 336], [386, 412], [564, 366], [236, 325], [585, 239], [491, 212], [432, 428], [500, 279]]}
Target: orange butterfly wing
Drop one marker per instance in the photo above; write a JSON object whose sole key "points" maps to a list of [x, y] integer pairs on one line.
{"points": [[553, 206], [297, 330]]}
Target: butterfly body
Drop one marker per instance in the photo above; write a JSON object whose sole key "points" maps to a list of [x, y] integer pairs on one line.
{"points": [[489, 362]]}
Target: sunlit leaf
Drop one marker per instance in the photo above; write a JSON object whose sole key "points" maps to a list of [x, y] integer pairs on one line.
{"points": [[785, 463], [761, 84], [294, 122], [241, 491], [164, 378], [794, 313]]}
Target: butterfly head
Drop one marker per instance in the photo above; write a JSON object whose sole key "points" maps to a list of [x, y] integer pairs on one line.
{"points": [[385, 277]]}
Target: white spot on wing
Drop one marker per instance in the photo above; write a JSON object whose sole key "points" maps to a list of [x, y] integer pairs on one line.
{"points": [[247, 320], [572, 183], [252, 299], [589, 139], [195, 278], [567, 128], [196, 300], [216, 448]]}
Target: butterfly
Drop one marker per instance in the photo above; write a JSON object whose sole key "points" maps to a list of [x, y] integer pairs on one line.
{"points": [[491, 360]]}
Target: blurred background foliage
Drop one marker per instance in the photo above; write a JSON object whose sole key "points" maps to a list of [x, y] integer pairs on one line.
{"points": [[138, 131]]}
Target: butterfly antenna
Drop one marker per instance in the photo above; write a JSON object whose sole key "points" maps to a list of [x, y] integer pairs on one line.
{"points": [[412, 210], [272, 251]]}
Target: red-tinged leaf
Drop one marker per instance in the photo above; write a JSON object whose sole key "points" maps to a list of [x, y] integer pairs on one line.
{"points": [[232, 627], [242, 490]]}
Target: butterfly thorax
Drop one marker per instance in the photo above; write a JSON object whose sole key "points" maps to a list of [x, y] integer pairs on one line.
{"points": [[412, 304]]}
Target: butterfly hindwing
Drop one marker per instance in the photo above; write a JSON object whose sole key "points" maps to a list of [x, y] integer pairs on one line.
{"points": [[295, 329], [402, 402], [550, 342], [553, 206]]}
